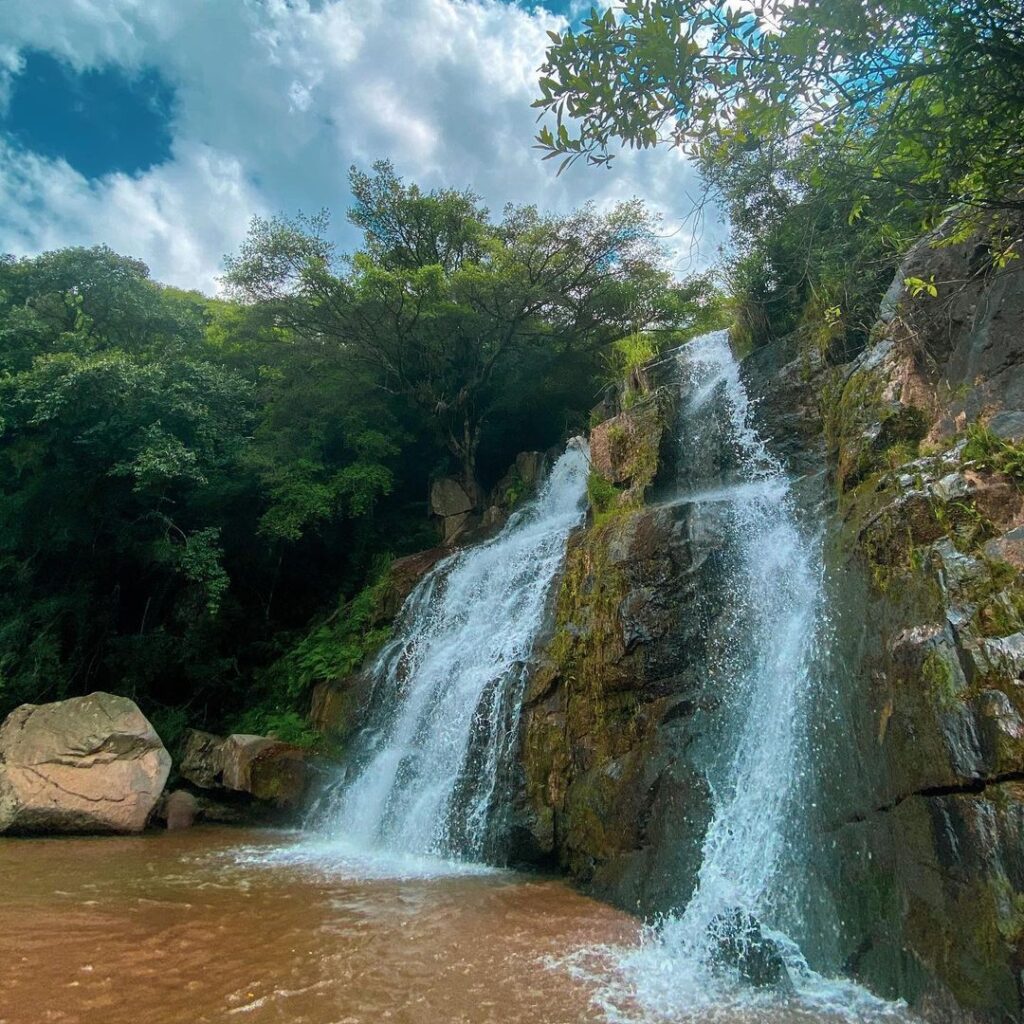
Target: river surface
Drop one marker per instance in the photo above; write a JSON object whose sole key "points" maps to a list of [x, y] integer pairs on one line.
{"points": [[228, 925]]}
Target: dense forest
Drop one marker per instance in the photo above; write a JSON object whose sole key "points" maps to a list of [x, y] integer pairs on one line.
{"points": [[194, 491]]}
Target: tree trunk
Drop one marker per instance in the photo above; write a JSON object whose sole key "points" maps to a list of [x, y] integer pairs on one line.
{"points": [[467, 456]]}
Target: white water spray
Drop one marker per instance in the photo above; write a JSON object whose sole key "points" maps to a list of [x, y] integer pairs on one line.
{"points": [[448, 687]]}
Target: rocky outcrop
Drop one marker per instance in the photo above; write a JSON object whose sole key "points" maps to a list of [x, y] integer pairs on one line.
{"points": [[624, 449], [461, 520], [453, 508], [928, 599], [275, 774], [87, 764], [613, 791], [915, 842]]}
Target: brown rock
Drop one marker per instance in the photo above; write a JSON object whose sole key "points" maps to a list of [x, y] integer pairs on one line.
{"points": [[202, 759], [529, 466], [493, 519], [455, 526], [403, 575], [88, 764], [1008, 548], [180, 810], [624, 449], [334, 706], [265, 768], [448, 498]]}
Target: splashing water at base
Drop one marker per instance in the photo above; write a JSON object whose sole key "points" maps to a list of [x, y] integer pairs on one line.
{"points": [[746, 902], [448, 688]]}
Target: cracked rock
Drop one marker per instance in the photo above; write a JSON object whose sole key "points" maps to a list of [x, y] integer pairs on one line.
{"points": [[88, 764]]}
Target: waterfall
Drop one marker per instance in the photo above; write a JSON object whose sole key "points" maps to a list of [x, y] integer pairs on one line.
{"points": [[751, 883], [444, 709]]}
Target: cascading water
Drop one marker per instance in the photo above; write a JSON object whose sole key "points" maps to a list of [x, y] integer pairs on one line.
{"points": [[447, 689], [746, 908]]}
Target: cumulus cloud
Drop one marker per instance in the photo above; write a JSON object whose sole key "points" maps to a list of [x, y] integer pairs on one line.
{"points": [[274, 102]]}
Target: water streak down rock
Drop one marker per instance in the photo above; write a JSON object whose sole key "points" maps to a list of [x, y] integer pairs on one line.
{"points": [[666, 744]]}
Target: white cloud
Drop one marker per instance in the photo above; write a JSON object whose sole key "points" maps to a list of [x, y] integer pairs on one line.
{"points": [[275, 100]]}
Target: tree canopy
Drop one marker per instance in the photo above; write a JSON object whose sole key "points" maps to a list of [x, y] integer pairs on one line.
{"points": [[195, 492], [927, 94], [834, 132], [443, 307]]}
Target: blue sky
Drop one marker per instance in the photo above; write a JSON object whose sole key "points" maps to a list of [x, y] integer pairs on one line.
{"points": [[162, 127]]}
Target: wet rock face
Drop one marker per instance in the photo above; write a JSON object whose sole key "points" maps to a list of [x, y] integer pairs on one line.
{"points": [[88, 764], [788, 384], [743, 946], [613, 792], [926, 815], [970, 334]]}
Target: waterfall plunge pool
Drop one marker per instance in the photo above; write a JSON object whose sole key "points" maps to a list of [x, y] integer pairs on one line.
{"points": [[221, 925]]}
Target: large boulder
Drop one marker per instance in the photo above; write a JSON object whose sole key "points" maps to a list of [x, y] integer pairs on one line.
{"points": [[88, 764], [202, 758], [266, 769], [261, 767]]}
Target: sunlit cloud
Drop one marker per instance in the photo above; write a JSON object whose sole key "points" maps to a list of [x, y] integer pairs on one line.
{"points": [[274, 101]]}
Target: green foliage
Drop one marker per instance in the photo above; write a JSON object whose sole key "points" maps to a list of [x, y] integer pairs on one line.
{"points": [[455, 313], [189, 486], [288, 726], [176, 475], [170, 725], [834, 134], [627, 355], [338, 646], [602, 493], [988, 451], [930, 91]]}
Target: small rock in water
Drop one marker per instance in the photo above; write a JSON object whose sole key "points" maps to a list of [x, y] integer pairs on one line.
{"points": [[180, 810], [743, 946]]}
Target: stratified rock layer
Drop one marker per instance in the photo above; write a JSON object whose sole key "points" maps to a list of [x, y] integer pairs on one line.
{"points": [[88, 764]]}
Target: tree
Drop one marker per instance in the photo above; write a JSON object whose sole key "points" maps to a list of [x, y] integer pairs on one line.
{"points": [[441, 302], [169, 464], [928, 94]]}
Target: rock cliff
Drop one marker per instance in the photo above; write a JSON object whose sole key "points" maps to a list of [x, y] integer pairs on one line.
{"points": [[910, 459], [925, 559]]}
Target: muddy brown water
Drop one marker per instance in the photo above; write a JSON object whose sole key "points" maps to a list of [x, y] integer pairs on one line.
{"points": [[224, 925]]}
